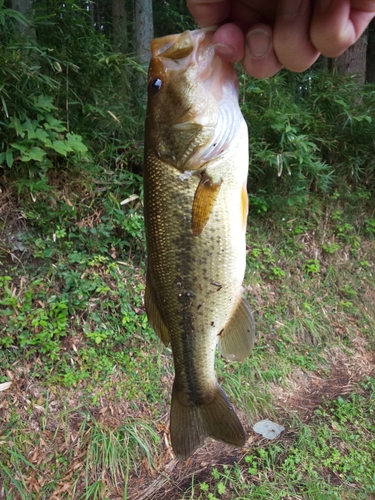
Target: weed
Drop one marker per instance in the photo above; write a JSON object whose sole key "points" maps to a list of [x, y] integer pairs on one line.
{"points": [[111, 452], [370, 226], [330, 248], [277, 273], [311, 266]]}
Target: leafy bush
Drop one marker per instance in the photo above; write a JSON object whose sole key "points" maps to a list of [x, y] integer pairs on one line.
{"points": [[39, 143], [96, 85], [62, 94], [310, 131]]}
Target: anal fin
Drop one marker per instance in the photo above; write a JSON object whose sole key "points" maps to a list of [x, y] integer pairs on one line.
{"points": [[237, 340], [153, 314], [204, 201], [191, 424]]}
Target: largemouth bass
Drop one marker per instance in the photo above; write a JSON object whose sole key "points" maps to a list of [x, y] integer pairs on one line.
{"points": [[196, 204]]}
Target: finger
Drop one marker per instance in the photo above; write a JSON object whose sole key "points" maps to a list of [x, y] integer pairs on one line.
{"points": [[249, 12], [209, 12], [229, 41], [335, 25], [260, 59], [291, 40]]}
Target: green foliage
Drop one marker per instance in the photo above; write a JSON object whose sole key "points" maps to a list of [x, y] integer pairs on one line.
{"points": [[78, 251], [32, 135], [308, 132], [9, 14], [36, 321], [62, 95], [330, 248], [263, 259], [113, 229], [171, 17], [109, 455], [311, 266], [40, 142], [96, 85], [67, 91], [370, 226], [114, 451], [28, 325]]}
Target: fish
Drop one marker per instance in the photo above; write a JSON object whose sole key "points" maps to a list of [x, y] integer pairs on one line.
{"points": [[195, 209]]}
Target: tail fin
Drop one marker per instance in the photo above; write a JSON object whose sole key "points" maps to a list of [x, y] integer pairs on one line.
{"points": [[191, 424]]}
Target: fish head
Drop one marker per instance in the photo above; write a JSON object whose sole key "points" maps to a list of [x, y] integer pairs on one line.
{"points": [[192, 110]]}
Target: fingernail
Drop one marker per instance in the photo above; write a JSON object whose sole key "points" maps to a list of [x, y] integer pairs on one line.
{"points": [[259, 42], [290, 8], [225, 51]]}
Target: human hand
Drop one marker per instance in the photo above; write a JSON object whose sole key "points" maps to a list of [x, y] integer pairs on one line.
{"points": [[269, 34]]}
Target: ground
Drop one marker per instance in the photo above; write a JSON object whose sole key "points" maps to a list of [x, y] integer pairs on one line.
{"points": [[86, 414]]}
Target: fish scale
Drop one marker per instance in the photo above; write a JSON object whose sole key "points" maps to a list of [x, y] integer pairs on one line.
{"points": [[195, 214]]}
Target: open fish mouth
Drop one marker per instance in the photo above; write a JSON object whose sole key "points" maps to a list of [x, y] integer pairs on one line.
{"points": [[210, 87], [195, 48], [179, 46]]}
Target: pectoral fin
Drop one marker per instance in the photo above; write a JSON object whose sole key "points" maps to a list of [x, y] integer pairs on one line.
{"points": [[204, 201], [154, 316], [237, 340]]}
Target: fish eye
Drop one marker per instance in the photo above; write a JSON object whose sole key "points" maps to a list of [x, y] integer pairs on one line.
{"points": [[155, 85]]}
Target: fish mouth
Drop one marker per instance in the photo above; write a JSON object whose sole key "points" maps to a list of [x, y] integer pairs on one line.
{"points": [[181, 45], [213, 87], [195, 48]]}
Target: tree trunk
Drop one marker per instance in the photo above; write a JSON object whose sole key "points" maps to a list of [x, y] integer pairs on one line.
{"points": [[370, 55], [144, 29], [119, 26], [353, 60], [144, 33], [25, 7]]}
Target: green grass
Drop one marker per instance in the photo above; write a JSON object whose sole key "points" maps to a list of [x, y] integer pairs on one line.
{"points": [[87, 411], [330, 457]]}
